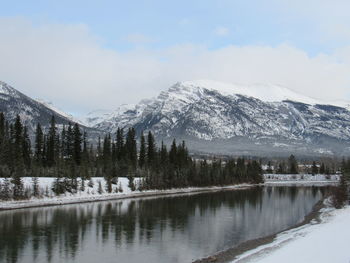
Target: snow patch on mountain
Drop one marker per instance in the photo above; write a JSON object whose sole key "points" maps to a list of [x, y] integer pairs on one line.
{"points": [[54, 108], [264, 92], [7, 90], [267, 116]]}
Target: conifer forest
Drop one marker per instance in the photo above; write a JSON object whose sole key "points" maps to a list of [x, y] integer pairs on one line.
{"points": [[67, 154]]}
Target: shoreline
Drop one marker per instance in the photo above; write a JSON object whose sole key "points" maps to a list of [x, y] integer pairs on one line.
{"points": [[323, 241], [232, 254], [32, 203], [77, 199]]}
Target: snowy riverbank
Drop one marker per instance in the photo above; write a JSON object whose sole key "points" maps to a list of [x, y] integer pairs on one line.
{"points": [[91, 193], [327, 241], [300, 179]]}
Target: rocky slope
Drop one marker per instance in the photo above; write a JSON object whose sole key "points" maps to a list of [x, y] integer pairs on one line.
{"points": [[213, 118], [222, 118], [13, 102]]}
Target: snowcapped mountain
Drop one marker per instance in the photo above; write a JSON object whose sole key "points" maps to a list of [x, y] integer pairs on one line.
{"points": [[13, 102], [213, 117], [225, 118]]}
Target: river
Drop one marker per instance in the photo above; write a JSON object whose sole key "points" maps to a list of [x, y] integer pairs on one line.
{"points": [[179, 228]]}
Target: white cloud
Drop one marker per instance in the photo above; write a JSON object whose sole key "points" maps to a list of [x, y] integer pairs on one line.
{"points": [[67, 65], [139, 39], [222, 31], [329, 20]]}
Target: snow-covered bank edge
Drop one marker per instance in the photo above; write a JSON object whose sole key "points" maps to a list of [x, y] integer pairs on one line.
{"points": [[317, 241], [300, 183], [300, 179], [121, 190], [127, 193]]}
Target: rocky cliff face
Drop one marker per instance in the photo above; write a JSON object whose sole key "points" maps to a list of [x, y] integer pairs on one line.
{"points": [[13, 102], [215, 117]]}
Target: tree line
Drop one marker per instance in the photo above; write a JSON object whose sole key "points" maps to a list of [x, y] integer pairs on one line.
{"points": [[65, 153], [291, 166]]}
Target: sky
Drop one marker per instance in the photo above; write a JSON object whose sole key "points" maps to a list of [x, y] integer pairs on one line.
{"points": [[87, 55]]}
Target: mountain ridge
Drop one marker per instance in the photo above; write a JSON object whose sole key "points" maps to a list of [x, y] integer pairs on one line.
{"points": [[204, 115], [213, 118], [31, 111]]}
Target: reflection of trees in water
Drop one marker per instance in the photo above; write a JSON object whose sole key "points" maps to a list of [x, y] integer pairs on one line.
{"points": [[60, 231]]}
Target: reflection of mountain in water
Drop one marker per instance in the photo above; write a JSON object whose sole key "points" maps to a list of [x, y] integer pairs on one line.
{"points": [[167, 229]]}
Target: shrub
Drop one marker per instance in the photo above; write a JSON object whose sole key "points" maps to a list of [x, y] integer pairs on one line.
{"points": [[339, 195]]}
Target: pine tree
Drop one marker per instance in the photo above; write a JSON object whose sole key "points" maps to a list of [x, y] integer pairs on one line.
{"points": [[51, 143], [340, 194], [82, 186], [131, 182], [322, 169], [314, 168], [91, 183], [69, 143], [77, 140], [5, 193], [130, 148], [120, 188], [85, 153], [39, 141], [293, 165], [120, 144], [100, 190], [26, 148], [18, 187], [151, 150], [35, 186], [142, 153], [2, 126], [173, 153], [18, 140]]}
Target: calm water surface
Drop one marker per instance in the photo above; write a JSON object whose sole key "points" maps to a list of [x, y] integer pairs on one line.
{"points": [[164, 229]]}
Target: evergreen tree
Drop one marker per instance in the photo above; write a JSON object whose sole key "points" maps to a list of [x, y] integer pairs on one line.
{"points": [[173, 153], [340, 194], [269, 168], [322, 169], [142, 153], [131, 180], [18, 187], [85, 153], [120, 144], [99, 189], [77, 140], [35, 186], [51, 144], [69, 143], [293, 165], [130, 148], [18, 140], [151, 150], [2, 126], [314, 168], [39, 144], [5, 193], [26, 149]]}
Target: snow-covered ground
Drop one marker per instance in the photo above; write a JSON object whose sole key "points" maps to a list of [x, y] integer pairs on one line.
{"points": [[300, 179], [91, 193], [326, 242]]}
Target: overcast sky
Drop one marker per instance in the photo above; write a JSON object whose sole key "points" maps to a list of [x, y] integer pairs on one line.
{"points": [[84, 55]]}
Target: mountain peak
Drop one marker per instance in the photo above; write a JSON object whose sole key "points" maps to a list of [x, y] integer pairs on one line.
{"points": [[6, 89], [264, 92]]}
